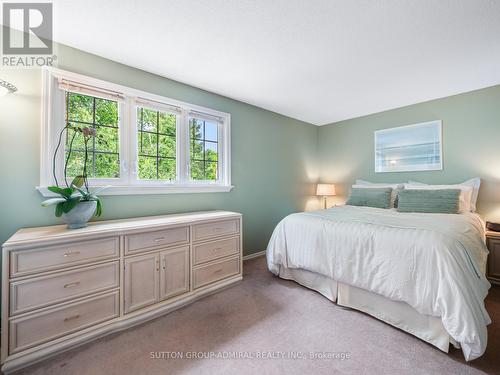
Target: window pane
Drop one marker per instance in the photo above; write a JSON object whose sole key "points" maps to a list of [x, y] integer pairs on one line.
{"points": [[74, 137], [84, 113], [106, 166], [147, 167], [210, 131], [166, 169], [211, 171], [148, 120], [167, 123], [156, 144], [196, 149], [107, 139], [166, 146], [147, 144], [196, 128], [80, 107], [197, 170], [211, 151], [106, 112], [204, 149], [75, 164]]}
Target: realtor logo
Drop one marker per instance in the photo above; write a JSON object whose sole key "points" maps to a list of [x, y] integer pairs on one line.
{"points": [[35, 22]]}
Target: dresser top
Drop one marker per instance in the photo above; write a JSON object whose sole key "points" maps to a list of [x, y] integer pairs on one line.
{"points": [[492, 234], [27, 236]]}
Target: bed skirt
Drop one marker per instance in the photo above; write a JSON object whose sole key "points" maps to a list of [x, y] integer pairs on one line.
{"points": [[398, 314]]}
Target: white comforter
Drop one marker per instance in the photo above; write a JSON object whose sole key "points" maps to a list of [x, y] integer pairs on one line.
{"points": [[433, 262]]}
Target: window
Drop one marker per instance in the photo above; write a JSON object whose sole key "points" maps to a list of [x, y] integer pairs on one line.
{"points": [[203, 139], [144, 143], [156, 140], [103, 152]]}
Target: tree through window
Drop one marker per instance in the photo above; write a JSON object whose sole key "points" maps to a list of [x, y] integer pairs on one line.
{"points": [[103, 152], [156, 144], [204, 144]]}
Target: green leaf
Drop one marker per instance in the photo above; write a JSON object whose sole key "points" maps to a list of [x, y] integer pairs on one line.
{"points": [[70, 204], [98, 211], [55, 189], [59, 209], [78, 181], [67, 192], [52, 201]]}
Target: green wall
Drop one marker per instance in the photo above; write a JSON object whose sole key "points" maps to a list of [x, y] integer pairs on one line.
{"points": [[471, 145], [273, 157]]}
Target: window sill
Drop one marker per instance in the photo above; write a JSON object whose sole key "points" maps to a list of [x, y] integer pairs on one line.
{"points": [[148, 190]]}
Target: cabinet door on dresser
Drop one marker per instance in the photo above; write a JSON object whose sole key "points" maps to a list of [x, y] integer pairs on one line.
{"points": [[142, 274], [174, 275], [494, 258]]}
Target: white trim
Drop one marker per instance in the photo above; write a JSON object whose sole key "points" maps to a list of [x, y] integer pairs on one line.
{"points": [[76, 87], [128, 183], [150, 189], [255, 255]]}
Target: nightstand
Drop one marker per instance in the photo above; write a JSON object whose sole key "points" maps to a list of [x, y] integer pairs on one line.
{"points": [[493, 267]]}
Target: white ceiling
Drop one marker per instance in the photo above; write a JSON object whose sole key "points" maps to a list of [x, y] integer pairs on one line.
{"points": [[319, 61]]}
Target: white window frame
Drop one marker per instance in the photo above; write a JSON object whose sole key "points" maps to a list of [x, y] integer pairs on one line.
{"points": [[53, 120]]}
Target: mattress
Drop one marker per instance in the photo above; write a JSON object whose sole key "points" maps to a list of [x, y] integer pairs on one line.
{"points": [[434, 263]]}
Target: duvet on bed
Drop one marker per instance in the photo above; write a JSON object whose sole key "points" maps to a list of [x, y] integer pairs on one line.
{"points": [[433, 262]]}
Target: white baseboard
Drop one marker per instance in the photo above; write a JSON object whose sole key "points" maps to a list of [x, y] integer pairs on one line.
{"points": [[254, 255]]}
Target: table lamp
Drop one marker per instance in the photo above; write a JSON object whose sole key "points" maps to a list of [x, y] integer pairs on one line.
{"points": [[325, 190]]}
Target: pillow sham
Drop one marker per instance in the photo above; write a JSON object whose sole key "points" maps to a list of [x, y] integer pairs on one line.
{"points": [[370, 197], [443, 201], [474, 182], [464, 198], [394, 187]]}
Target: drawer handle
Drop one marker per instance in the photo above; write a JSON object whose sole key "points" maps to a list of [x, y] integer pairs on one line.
{"points": [[72, 317], [72, 285], [216, 249], [159, 239], [218, 271], [216, 229], [71, 253], [164, 263], [157, 265]]}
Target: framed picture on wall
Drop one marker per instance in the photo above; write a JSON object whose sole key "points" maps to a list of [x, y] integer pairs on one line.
{"points": [[410, 148]]}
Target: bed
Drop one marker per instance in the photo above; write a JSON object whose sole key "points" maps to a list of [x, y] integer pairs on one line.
{"points": [[423, 273]]}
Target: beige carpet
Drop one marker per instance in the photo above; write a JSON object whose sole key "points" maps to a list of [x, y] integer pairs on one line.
{"points": [[266, 315]]}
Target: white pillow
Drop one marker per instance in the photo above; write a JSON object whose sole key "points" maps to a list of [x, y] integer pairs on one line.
{"points": [[475, 183], [464, 199], [372, 185]]}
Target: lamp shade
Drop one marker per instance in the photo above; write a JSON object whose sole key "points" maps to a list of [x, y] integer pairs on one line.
{"points": [[325, 189]]}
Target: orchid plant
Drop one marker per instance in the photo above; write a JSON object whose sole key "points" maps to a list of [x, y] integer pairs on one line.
{"points": [[78, 190]]}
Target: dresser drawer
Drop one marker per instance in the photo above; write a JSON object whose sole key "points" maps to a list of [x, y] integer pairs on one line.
{"points": [[37, 292], [46, 258], [216, 229], [34, 329], [216, 249], [214, 272], [167, 237]]}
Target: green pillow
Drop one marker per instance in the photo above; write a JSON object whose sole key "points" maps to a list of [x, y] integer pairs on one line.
{"points": [[443, 201], [370, 197]]}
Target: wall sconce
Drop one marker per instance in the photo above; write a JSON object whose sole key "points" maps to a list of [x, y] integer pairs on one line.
{"points": [[325, 190], [6, 88]]}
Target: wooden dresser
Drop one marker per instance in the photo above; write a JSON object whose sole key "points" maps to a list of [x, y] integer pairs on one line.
{"points": [[62, 288], [493, 268]]}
